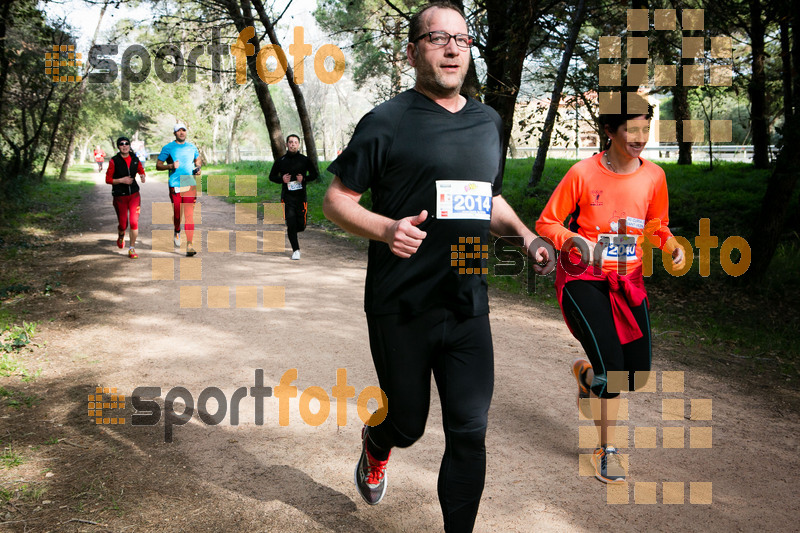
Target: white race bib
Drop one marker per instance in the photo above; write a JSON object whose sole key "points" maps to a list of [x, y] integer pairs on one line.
{"points": [[618, 247], [463, 200], [295, 185], [635, 223]]}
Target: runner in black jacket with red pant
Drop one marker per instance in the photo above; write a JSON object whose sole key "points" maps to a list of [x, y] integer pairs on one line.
{"points": [[121, 175], [293, 171]]}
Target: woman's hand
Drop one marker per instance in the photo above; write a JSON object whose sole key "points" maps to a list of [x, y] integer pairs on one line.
{"points": [[678, 258], [582, 243]]}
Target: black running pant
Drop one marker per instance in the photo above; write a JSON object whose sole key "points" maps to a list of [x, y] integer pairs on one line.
{"points": [[459, 351], [294, 211], [587, 309]]}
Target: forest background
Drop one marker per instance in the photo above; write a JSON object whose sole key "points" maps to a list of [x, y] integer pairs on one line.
{"points": [[543, 65]]}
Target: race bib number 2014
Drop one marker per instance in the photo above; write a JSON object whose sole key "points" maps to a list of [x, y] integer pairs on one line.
{"points": [[463, 200]]}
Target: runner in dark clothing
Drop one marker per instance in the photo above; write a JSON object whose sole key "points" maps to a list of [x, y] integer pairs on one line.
{"points": [[293, 171], [433, 161]]}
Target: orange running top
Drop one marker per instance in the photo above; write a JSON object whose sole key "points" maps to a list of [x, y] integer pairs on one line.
{"points": [[596, 199]]}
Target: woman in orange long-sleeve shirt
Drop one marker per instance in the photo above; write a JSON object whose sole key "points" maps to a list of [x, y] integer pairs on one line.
{"points": [[613, 200]]}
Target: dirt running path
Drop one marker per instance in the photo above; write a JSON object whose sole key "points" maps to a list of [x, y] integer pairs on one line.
{"points": [[127, 330]]}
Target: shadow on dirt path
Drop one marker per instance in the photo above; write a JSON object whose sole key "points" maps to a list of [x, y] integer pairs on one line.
{"points": [[114, 325]]}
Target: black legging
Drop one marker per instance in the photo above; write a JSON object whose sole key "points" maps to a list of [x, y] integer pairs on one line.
{"points": [[295, 215], [459, 352], [587, 308]]}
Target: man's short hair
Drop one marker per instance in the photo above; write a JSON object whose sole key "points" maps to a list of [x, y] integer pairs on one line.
{"points": [[290, 136], [415, 24]]}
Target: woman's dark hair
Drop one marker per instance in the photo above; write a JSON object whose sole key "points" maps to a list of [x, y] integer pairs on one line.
{"points": [[415, 24], [119, 140], [631, 105]]}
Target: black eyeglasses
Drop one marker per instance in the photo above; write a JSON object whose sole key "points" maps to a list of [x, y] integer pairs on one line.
{"points": [[441, 38], [124, 144]]}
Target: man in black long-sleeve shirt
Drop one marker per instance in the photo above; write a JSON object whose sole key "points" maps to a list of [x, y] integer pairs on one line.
{"points": [[293, 171]]}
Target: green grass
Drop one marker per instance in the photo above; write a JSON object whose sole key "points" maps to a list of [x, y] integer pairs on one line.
{"points": [[271, 192], [46, 205], [31, 494], [730, 195], [714, 311], [24, 492], [9, 364], [6, 318], [17, 337], [44, 210], [9, 458], [16, 399], [33, 220], [20, 400], [12, 340]]}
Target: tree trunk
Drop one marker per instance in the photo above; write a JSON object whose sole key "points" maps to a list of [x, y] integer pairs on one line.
{"points": [[786, 65], [398, 60], [68, 156], [472, 85], [214, 135], [769, 224], [242, 17], [277, 144], [710, 155], [297, 93], [84, 148], [24, 152], [510, 26], [555, 98], [757, 88], [635, 4], [73, 129], [710, 118], [680, 107], [324, 142], [5, 22], [305, 123], [795, 25], [54, 134], [768, 227], [232, 134]]}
